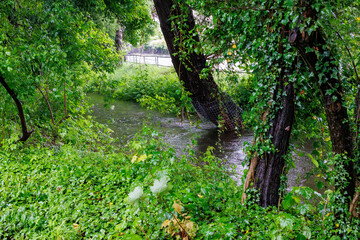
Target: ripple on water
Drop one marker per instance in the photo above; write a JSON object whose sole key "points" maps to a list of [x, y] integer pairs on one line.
{"points": [[126, 118]]}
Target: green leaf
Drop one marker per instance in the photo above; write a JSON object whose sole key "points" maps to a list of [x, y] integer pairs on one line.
{"points": [[131, 237], [320, 185], [314, 161], [288, 202], [286, 222], [307, 232]]}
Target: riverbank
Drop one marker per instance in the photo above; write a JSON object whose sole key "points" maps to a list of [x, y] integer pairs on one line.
{"points": [[86, 187], [158, 88]]}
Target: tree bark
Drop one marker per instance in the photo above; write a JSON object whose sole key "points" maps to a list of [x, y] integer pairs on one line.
{"points": [[271, 166], [331, 93], [265, 170], [205, 94], [118, 39], [25, 132]]}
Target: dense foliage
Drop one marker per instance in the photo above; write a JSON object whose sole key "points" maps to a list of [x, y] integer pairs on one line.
{"points": [[309, 46], [159, 88], [69, 179], [85, 187]]}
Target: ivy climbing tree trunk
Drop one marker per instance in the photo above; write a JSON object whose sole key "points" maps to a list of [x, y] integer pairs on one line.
{"points": [[271, 166], [25, 133], [266, 169], [321, 62], [206, 97]]}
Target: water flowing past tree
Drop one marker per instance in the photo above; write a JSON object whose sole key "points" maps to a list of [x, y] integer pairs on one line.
{"points": [[178, 26]]}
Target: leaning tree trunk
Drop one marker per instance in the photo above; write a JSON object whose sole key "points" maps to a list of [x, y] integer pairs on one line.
{"points": [[206, 97], [326, 74], [25, 133]]}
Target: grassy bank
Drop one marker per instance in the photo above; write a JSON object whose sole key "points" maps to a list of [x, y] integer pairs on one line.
{"points": [[85, 187], [159, 88]]}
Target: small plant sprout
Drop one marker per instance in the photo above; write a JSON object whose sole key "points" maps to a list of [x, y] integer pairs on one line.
{"points": [[135, 195], [159, 185]]}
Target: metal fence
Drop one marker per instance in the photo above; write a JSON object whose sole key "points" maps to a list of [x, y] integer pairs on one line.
{"points": [[160, 60]]}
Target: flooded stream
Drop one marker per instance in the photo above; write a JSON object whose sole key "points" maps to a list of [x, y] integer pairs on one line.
{"points": [[126, 119]]}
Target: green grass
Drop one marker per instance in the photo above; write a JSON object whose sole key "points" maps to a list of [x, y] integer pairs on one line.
{"points": [[159, 88]]}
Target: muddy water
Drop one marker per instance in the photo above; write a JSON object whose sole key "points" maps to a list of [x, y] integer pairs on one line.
{"points": [[126, 118]]}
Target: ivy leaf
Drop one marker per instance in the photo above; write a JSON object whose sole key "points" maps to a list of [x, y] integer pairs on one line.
{"points": [[314, 161], [307, 232]]}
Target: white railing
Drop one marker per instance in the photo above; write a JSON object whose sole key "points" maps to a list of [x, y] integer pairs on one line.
{"points": [[160, 60]]}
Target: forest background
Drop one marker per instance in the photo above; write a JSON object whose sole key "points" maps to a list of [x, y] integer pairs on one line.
{"points": [[64, 176]]}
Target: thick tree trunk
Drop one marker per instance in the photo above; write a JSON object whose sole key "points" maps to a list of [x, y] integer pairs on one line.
{"points": [[265, 170], [326, 75], [271, 166], [205, 94], [25, 132]]}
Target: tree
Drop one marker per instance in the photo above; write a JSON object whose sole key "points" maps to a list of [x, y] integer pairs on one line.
{"points": [[323, 65], [49, 45], [258, 30], [178, 26]]}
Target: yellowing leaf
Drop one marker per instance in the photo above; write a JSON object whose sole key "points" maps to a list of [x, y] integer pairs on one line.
{"points": [[165, 223], [133, 159], [177, 207], [75, 225], [200, 196], [142, 158]]}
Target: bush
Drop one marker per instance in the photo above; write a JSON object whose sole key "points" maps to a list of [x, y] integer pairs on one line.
{"points": [[159, 88], [91, 189]]}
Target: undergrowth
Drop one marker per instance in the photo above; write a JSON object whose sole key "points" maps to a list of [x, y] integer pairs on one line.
{"points": [[159, 88], [86, 187]]}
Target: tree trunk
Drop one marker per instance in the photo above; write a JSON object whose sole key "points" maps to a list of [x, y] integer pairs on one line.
{"points": [[271, 166], [118, 39], [326, 75], [205, 94], [265, 170], [25, 132]]}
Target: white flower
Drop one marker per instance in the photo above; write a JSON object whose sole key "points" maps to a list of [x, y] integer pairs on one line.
{"points": [[159, 185], [135, 195]]}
